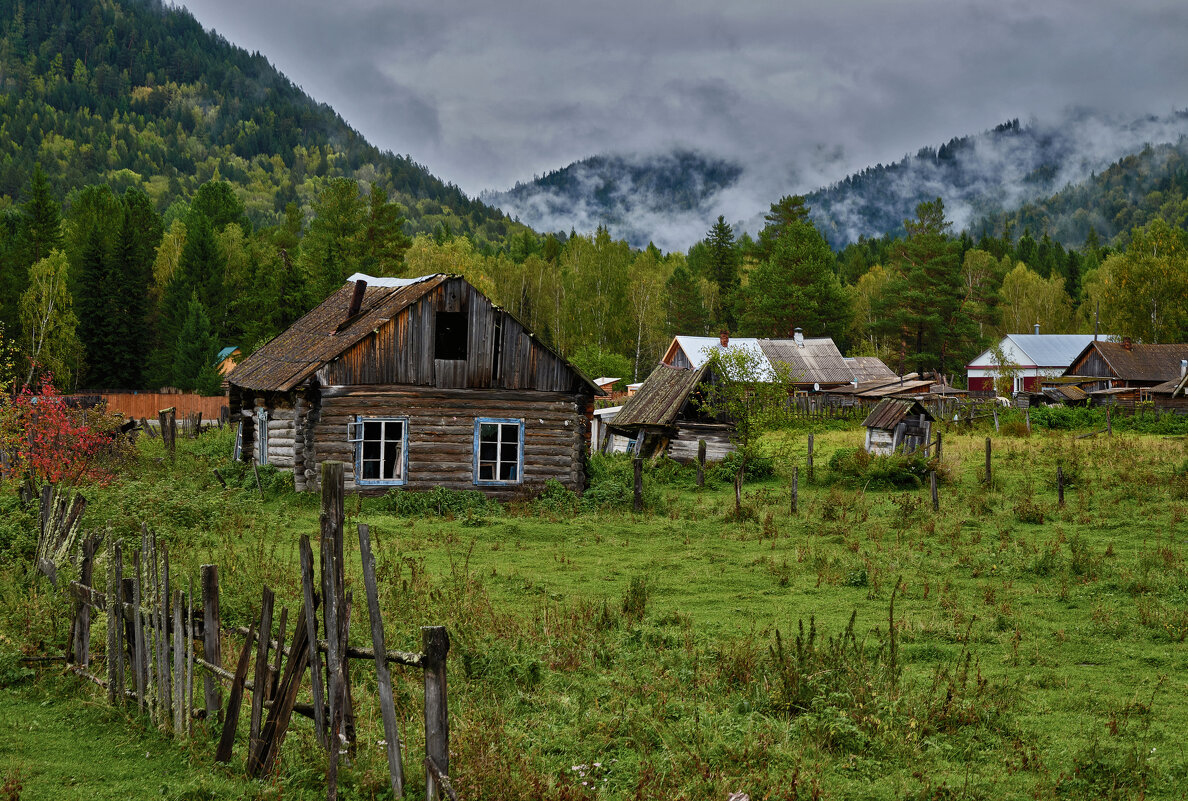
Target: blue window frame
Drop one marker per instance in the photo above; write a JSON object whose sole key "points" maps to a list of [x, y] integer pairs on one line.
{"points": [[381, 450], [498, 451]]}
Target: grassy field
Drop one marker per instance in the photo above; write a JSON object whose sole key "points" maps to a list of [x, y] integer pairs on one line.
{"points": [[866, 647]]}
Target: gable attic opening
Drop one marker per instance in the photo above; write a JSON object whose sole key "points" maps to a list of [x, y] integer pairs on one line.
{"points": [[451, 337]]}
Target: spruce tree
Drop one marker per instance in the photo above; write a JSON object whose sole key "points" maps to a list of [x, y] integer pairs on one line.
{"points": [[194, 350], [722, 267]]}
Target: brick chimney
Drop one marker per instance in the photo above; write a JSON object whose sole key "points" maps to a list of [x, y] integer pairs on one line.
{"points": [[1127, 344], [724, 337]]}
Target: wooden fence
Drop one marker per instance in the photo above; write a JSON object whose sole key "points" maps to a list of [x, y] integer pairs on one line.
{"points": [[158, 639], [135, 405]]}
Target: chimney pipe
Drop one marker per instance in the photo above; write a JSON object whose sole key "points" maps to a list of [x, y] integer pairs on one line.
{"points": [[798, 335], [1126, 343], [357, 298], [1037, 329], [724, 337], [1183, 367]]}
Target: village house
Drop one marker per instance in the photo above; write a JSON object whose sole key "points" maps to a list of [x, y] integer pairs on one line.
{"points": [[415, 383], [814, 363], [1124, 368], [1029, 358]]}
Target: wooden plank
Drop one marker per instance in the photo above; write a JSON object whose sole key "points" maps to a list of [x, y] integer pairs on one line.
{"points": [[189, 718], [140, 657], [382, 674], [311, 624], [261, 677], [82, 633], [211, 647], [436, 646], [274, 671], [113, 655], [179, 666], [163, 635], [235, 701], [283, 703]]}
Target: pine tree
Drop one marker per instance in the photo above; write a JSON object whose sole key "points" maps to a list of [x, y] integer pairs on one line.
{"points": [[194, 350], [686, 305], [721, 263]]}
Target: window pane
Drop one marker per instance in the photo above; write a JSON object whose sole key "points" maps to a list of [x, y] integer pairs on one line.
{"points": [[507, 471], [486, 471], [371, 450], [391, 462], [487, 452], [511, 432], [372, 429], [509, 452], [371, 469], [487, 432], [394, 431]]}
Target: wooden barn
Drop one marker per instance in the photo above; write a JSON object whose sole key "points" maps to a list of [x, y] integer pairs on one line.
{"points": [[1128, 365], [897, 424], [663, 417], [417, 383]]}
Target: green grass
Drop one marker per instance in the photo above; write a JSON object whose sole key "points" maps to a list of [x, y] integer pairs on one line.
{"points": [[657, 653]]}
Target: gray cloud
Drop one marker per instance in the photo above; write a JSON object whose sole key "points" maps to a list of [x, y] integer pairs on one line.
{"points": [[799, 92]]}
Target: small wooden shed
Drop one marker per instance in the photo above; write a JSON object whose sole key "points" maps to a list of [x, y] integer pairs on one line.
{"points": [[663, 416], [414, 383], [897, 425]]}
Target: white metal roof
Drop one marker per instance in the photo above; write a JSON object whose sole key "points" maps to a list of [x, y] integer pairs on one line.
{"points": [[1038, 350], [379, 281]]}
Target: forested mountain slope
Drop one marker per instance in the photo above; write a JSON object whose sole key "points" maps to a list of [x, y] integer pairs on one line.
{"points": [[134, 92]]}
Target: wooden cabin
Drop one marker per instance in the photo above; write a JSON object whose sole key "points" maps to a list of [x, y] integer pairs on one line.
{"points": [[416, 383], [1128, 365], [664, 417], [897, 425]]}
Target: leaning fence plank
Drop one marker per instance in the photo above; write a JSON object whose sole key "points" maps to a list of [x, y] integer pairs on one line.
{"points": [[340, 693], [382, 674], [311, 625], [436, 645], [282, 705], [82, 631], [179, 666], [274, 672], [138, 635], [190, 660], [211, 649], [166, 656], [334, 674], [113, 623], [261, 676], [235, 701]]}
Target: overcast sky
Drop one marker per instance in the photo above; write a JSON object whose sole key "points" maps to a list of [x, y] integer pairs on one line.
{"points": [[801, 91]]}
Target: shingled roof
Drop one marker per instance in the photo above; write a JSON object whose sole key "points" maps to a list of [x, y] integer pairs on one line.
{"points": [[660, 399], [892, 411], [1139, 362], [296, 353]]}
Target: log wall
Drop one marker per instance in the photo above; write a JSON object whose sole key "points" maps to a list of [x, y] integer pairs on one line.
{"points": [[683, 447], [441, 435]]}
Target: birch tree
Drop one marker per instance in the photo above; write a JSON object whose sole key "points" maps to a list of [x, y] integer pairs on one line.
{"points": [[47, 317]]}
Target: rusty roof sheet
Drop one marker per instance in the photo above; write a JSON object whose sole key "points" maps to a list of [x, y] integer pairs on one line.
{"points": [[817, 361], [892, 411], [297, 352], [897, 388], [660, 399], [1141, 362]]}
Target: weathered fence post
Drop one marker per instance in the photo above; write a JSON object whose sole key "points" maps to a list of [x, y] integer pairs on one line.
{"points": [[738, 482], [638, 463], [311, 633], [1060, 486], [795, 480], [211, 647], [138, 635], [810, 458], [436, 645], [988, 474], [382, 674], [701, 463], [82, 626], [115, 656], [1109, 423], [168, 421], [235, 699], [935, 497], [179, 665], [939, 453], [994, 411], [260, 680]]}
